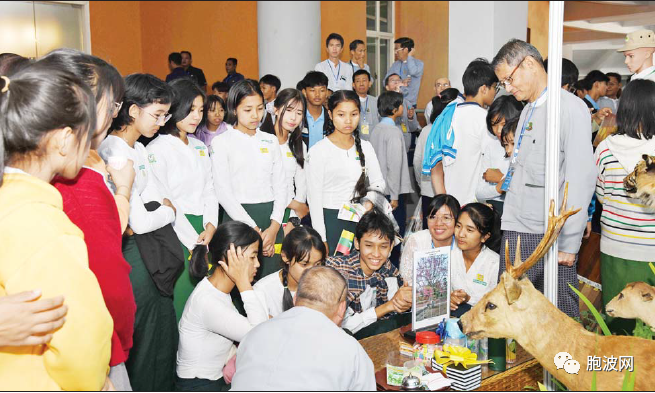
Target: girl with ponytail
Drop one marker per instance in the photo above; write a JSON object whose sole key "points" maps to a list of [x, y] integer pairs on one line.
{"points": [[289, 107], [341, 169], [302, 249]]}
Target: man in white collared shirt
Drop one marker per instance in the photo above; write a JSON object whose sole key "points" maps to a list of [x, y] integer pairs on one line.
{"points": [[339, 73], [638, 51]]}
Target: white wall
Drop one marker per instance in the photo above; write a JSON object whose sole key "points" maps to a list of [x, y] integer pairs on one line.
{"points": [[289, 39], [480, 29]]}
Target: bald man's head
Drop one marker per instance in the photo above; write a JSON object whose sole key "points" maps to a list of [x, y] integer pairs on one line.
{"points": [[440, 85], [323, 289]]}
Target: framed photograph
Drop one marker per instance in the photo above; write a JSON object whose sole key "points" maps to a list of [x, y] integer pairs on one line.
{"points": [[431, 289]]}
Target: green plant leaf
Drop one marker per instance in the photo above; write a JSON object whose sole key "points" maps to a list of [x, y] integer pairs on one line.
{"points": [[652, 267], [642, 330], [629, 381], [558, 384], [542, 387], [593, 310], [593, 380]]}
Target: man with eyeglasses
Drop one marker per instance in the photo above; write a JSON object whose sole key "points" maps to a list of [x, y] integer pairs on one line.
{"points": [[304, 348], [520, 69], [440, 85], [408, 67]]}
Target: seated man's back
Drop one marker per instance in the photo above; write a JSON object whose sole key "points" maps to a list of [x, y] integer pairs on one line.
{"points": [[302, 349]]}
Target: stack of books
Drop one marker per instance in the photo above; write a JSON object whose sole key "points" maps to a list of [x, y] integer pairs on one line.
{"points": [[463, 379]]}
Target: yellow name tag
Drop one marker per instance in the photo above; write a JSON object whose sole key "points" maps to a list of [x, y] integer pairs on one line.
{"points": [[480, 277], [278, 248], [365, 129], [404, 127], [202, 153], [264, 150], [289, 154]]}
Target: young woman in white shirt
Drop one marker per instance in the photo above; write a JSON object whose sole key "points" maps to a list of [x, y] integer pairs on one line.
{"points": [[302, 249], [248, 171], [145, 108], [289, 108], [495, 162], [442, 213], [474, 262], [341, 169], [183, 169], [210, 322]]}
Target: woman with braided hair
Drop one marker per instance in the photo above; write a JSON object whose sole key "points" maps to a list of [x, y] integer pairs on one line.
{"points": [[341, 169], [302, 249]]}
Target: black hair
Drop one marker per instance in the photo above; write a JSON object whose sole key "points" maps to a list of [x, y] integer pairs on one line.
{"points": [[334, 36], [504, 107], [238, 92], [508, 129], [221, 87], [176, 58], [314, 78], [375, 221], [300, 85], [478, 73], [593, 77], [102, 77], [11, 63], [405, 42], [579, 86], [614, 75], [271, 80], [297, 246], [233, 60], [439, 103], [570, 73], [38, 99], [362, 71], [232, 232], [210, 105], [386, 80], [354, 43], [141, 90], [282, 102], [186, 90], [335, 99], [388, 101], [486, 221], [440, 200], [187, 52], [635, 116]]}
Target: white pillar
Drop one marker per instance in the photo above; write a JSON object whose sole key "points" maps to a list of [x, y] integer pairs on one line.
{"points": [[480, 29], [289, 39]]}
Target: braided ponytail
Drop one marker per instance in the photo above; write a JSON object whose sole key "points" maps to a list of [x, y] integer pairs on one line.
{"points": [[287, 299], [362, 183]]}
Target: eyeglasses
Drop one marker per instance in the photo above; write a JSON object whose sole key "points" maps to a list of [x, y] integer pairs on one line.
{"points": [[445, 219], [508, 81], [442, 85], [163, 118]]}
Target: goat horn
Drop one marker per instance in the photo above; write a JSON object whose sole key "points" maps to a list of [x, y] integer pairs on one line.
{"points": [[508, 263], [555, 224]]}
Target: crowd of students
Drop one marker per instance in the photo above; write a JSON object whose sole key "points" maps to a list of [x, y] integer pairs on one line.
{"points": [[149, 228]]}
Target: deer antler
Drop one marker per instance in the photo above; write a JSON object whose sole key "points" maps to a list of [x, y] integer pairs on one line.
{"points": [[555, 224]]}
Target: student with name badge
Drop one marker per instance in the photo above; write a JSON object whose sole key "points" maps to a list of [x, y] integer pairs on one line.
{"points": [[183, 169], [339, 73], [248, 171], [339, 168]]}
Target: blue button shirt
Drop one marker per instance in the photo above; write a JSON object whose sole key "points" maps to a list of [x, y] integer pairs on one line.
{"points": [[315, 128]]}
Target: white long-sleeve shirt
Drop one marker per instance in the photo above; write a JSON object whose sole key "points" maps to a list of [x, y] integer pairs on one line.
{"points": [[332, 174], [144, 188], [481, 277], [185, 173], [493, 157], [296, 179], [209, 327], [355, 322], [271, 291], [248, 169], [339, 77]]}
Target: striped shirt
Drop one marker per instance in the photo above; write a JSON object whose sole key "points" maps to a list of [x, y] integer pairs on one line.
{"points": [[350, 268], [627, 226]]}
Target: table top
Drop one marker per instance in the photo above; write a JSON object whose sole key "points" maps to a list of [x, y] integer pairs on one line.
{"points": [[378, 348]]}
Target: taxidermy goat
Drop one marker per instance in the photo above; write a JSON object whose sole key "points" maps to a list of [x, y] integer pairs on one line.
{"points": [[634, 301]]}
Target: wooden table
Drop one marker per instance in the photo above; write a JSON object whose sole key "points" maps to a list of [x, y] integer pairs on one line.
{"points": [[526, 371]]}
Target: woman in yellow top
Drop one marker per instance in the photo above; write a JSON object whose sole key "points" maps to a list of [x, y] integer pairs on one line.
{"points": [[46, 118]]}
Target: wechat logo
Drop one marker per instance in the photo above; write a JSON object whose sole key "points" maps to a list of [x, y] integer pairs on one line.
{"points": [[565, 360]]}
